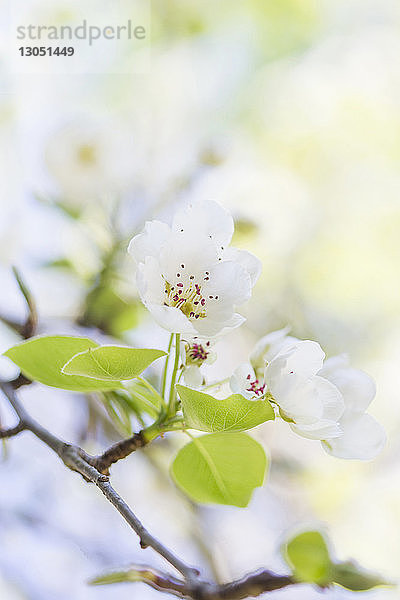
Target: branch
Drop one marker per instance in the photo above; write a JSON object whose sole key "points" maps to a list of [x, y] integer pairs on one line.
{"points": [[117, 452], [7, 433], [253, 584], [76, 459], [28, 328]]}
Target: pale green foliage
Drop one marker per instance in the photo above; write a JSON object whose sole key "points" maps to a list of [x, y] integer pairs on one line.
{"points": [[111, 363], [42, 358], [351, 576], [309, 557], [221, 468], [130, 575], [236, 413]]}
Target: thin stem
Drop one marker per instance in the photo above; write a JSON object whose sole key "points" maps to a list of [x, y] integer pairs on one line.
{"points": [[172, 393], [165, 370]]}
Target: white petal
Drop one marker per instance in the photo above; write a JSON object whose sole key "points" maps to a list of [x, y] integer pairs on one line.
{"points": [[332, 399], [248, 261], [149, 281], [150, 241], [363, 438], [333, 363], [211, 358], [358, 388], [217, 327], [193, 377], [298, 398], [321, 430], [197, 254], [304, 359], [308, 401], [208, 218], [230, 282], [171, 319]]}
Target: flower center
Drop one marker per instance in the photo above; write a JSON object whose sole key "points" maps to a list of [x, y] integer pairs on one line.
{"points": [[196, 353], [255, 386], [187, 295]]}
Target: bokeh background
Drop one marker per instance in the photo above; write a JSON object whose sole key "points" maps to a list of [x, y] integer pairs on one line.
{"points": [[288, 113]]}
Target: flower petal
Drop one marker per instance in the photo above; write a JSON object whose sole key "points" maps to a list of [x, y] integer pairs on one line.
{"points": [[230, 282], [269, 346], [358, 388], [150, 241], [298, 398], [149, 281], [321, 430], [303, 359], [197, 254], [240, 380], [248, 261], [363, 438], [171, 318], [193, 377], [206, 218]]}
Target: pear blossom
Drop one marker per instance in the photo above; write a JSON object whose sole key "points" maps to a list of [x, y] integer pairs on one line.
{"points": [[187, 275], [363, 437], [323, 400], [91, 160], [195, 353]]}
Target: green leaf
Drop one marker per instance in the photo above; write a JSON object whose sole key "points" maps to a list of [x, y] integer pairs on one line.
{"points": [[349, 575], [308, 556], [111, 363], [236, 413], [221, 468], [131, 575], [42, 358]]}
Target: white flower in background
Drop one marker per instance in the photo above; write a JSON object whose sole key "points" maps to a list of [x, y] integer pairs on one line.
{"points": [[195, 353], [313, 405], [91, 160], [244, 381], [188, 277], [363, 437]]}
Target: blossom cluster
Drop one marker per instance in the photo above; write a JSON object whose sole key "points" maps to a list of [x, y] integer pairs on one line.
{"points": [[192, 281], [321, 399]]}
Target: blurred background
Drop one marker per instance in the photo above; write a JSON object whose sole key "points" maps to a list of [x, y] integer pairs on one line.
{"points": [[288, 113]]}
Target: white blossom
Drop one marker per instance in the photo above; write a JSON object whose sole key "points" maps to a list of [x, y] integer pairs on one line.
{"points": [[188, 277], [196, 352], [323, 400], [91, 160]]}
